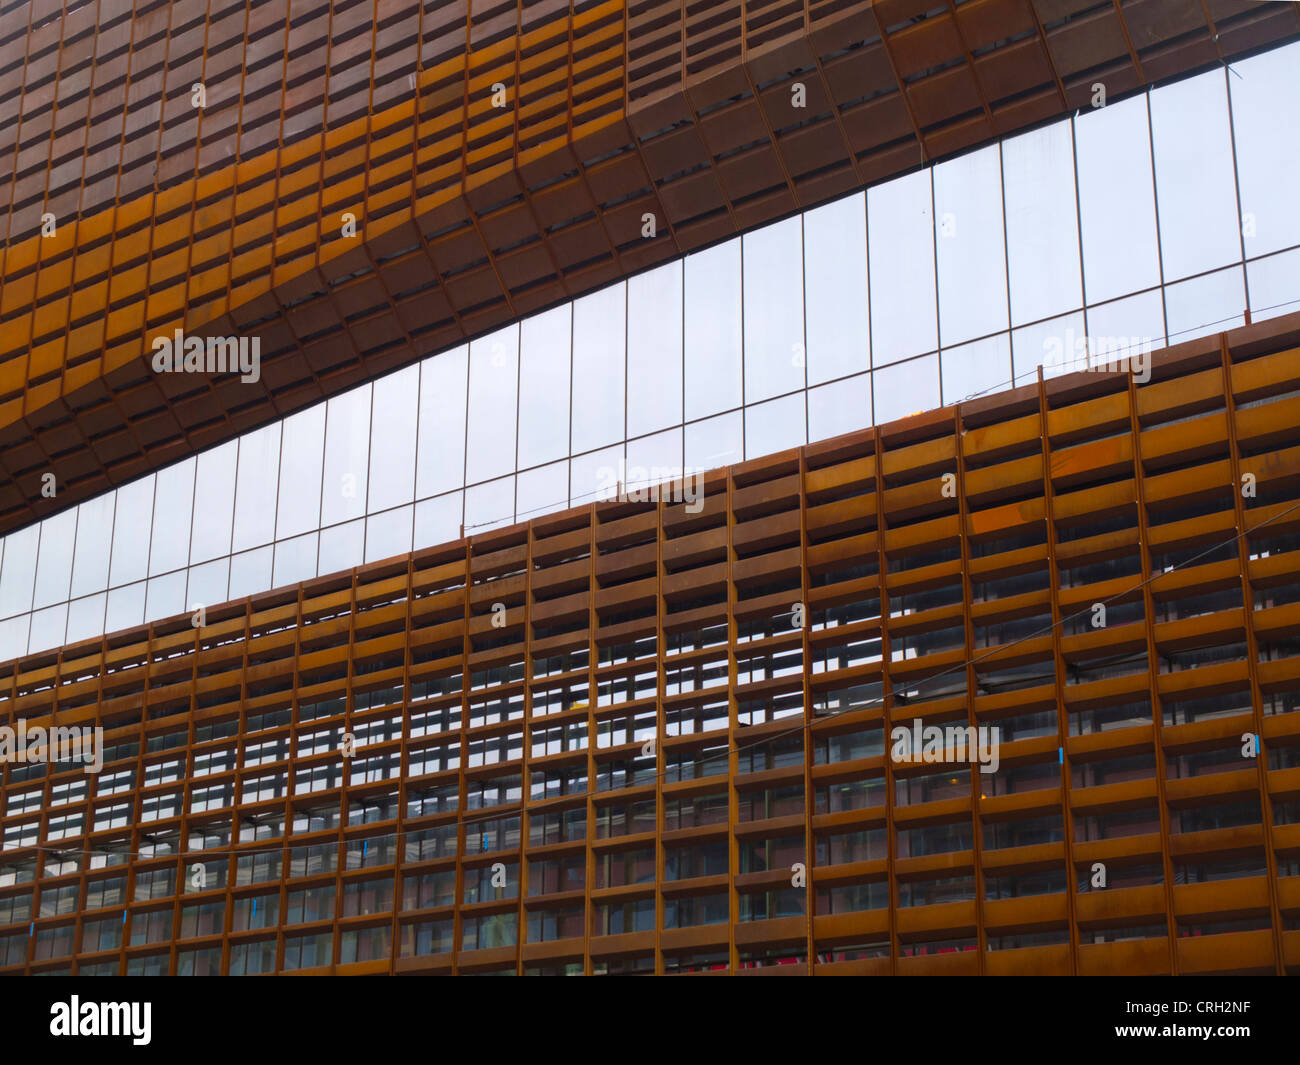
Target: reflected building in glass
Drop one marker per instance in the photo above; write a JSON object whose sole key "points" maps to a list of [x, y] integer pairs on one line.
{"points": [[411, 671]]}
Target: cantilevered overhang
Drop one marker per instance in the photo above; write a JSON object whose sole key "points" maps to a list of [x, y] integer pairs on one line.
{"points": [[227, 219]]}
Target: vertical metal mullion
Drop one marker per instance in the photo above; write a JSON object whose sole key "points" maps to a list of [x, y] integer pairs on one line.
{"points": [[1252, 656]]}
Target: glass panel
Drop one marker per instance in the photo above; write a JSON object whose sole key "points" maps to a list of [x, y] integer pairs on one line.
{"points": [[654, 349], [488, 505], [1116, 200], [906, 388], [716, 442], [54, 559], [125, 607], [392, 445], [712, 353], [389, 534], [1205, 305], [301, 459], [544, 384], [1274, 285], [208, 584], [654, 459], [775, 426], [437, 521], [1126, 330], [295, 560], [173, 506], [256, 487], [165, 596], [840, 407], [214, 502], [968, 236], [1197, 194], [773, 313], [599, 363], [131, 533], [900, 235], [342, 547], [250, 573], [441, 456], [13, 637], [17, 571], [347, 457], [836, 322], [1265, 116], [1042, 223], [493, 384], [94, 541], [541, 491], [48, 628], [595, 475], [975, 369], [86, 617], [1052, 345]]}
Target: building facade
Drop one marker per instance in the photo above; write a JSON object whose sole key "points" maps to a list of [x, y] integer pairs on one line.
{"points": [[652, 736], [729, 488]]}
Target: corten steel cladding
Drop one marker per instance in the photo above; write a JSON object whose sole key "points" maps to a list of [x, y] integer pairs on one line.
{"points": [[601, 742], [194, 165]]}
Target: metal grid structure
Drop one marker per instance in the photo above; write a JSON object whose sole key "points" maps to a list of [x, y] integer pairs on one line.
{"points": [[614, 713], [226, 219]]}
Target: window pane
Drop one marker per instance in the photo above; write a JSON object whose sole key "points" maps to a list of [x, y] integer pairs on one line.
{"points": [[13, 637], [301, 459], [173, 505], [208, 584], [541, 491], [131, 532], [1274, 285], [489, 505], [599, 330], [906, 388], [1123, 329], [1265, 116], [1042, 223], [654, 459], [437, 521], [214, 502], [48, 628], [347, 455], [654, 349], [775, 426], [295, 560], [544, 385], [493, 383], [441, 456], [835, 289], [712, 354], [900, 235], [388, 534], [715, 442], [250, 573], [1116, 200], [773, 313], [392, 446], [165, 596], [1051, 345], [54, 560], [595, 475], [256, 487], [86, 617], [342, 547], [1194, 182], [839, 407], [1205, 305], [17, 569], [976, 368], [968, 235], [125, 607], [94, 540]]}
